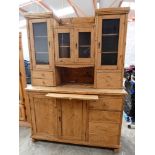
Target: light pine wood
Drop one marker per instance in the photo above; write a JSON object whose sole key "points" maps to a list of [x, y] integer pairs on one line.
{"points": [[79, 20], [112, 11], [76, 42], [24, 124], [45, 116], [81, 65], [22, 114], [103, 133], [72, 96], [109, 80], [24, 111], [76, 90], [50, 43], [41, 15], [104, 116], [72, 121], [107, 103], [57, 57], [77, 100], [99, 42], [42, 82], [42, 74]]}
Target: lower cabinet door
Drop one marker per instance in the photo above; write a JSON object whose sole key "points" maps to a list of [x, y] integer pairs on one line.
{"points": [[44, 115], [73, 120]]}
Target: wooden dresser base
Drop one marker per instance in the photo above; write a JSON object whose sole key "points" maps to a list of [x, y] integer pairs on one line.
{"points": [[88, 117], [38, 138]]}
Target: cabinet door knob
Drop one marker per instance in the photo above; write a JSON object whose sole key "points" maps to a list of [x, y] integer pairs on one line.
{"points": [[99, 45], [76, 45]]}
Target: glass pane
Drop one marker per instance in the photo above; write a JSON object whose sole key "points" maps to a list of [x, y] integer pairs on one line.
{"points": [[42, 58], [40, 29], [84, 38], [110, 43], [64, 39], [64, 52], [84, 44], [84, 52], [110, 26], [40, 42], [109, 59]]}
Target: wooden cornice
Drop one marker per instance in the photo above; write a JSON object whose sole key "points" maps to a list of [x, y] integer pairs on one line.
{"points": [[110, 11]]}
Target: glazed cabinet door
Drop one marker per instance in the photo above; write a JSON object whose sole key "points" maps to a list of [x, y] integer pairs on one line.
{"points": [[73, 119], [84, 45], [44, 114], [41, 41], [110, 42], [64, 45]]}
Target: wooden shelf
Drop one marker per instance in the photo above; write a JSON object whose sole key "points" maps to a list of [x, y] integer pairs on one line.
{"points": [[109, 52], [63, 46], [84, 45], [110, 34], [40, 36], [41, 52], [72, 96], [74, 65]]}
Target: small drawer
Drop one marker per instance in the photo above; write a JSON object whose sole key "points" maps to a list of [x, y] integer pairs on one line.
{"points": [[42, 82], [109, 80], [107, 103], [42, 74], [104, 116]]}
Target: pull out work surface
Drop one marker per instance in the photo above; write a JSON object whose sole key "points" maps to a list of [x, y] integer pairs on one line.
{"points": [[75, 90], [72, 96]]}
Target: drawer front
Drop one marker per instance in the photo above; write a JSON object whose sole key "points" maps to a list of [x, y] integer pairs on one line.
{"points": [[106, 134], [42, 82], [107, 103], [104, 116], [42, 74], [109, 80]]}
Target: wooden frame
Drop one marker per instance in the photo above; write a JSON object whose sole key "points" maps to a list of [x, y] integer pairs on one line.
{"points": [[24, 109], [99, 42], [50, 43], [76, 42], [64, 60]]}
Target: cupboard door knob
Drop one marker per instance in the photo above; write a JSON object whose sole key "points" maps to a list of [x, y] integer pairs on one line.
{"points": [[59, 119], [76, 45], [99, 45]]}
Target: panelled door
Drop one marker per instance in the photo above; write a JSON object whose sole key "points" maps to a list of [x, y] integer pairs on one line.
{"points": [[73, 119], [110, 42], [41, 43], [44, 113], [84, 45], [64, 45]]}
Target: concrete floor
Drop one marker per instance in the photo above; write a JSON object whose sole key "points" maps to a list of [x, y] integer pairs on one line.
{"points": [[27, 147]]}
